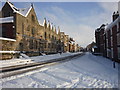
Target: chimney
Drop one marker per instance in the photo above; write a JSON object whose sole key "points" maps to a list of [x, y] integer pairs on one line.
{"points": [[32, 5], [115, 16]]}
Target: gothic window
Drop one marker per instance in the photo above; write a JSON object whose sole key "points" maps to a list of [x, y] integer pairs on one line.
{"points": [[35, 44], [31, 44], [52, 37], [28, 28], [55, 38], [27, 20], [33, 31], [49, 36], [45, 36], [22, 28], [33, 18]]}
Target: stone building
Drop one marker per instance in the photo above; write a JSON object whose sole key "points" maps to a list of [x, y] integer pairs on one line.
{"points": [[21, 32]]}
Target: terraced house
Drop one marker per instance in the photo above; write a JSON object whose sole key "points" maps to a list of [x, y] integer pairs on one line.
{"points": [[21, 32], [108, 38]]}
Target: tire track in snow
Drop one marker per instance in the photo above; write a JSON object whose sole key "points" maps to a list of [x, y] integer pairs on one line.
{"points": [[95, 75], [67, 82], [92, 78], [34, 84], [43, 82]]}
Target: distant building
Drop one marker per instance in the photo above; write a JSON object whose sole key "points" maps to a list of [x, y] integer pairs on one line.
{"points": [[100, 40], [91, 47], [21, 32]]}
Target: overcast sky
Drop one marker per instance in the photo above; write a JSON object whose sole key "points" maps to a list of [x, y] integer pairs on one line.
{"points": [[77, 19]]}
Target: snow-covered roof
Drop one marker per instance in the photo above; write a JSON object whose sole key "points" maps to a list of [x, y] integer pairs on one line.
{"points": [[6, 20], [97, 30], [8, 39], [40, 23], [22, 11], [113, 23], [9, 51]]}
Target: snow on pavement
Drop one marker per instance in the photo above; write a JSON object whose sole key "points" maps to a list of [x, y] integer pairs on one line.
{"points": [[87, 71], [25, 59]]}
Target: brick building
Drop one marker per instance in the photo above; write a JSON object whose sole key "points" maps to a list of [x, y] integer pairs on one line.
{"points": [[113, 38], [108, 38], [21, 32], [99, 36]]}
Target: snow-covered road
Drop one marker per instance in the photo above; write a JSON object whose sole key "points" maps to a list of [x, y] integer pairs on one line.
{"points": [[88, 71]]}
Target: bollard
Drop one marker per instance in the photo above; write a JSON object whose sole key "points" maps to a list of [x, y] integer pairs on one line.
{"points": [[113, 64]]}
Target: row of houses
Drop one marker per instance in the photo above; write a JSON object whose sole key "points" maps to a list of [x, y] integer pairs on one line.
{"points": [[108, 38], [21, 32]]}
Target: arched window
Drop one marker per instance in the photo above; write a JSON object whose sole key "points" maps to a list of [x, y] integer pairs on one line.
{"points": [[31, 44], [52, 37], [49, 36], [45, 35], [28, 28], [33, 18], [35, 44], [55, 38], [33, 31], [22, 28]]}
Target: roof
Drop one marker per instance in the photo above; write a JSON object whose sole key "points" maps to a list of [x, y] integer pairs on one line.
{"points": [[7, 39], [22, 11], [97, 30], [103, 26], [6, 20], [9, 51], [113, 23]]}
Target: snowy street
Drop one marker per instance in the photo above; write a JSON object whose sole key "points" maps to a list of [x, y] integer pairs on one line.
{"points": [[87, 71]]}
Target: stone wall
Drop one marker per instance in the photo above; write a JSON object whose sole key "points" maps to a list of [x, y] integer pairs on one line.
{"points": [[8, 49]]}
